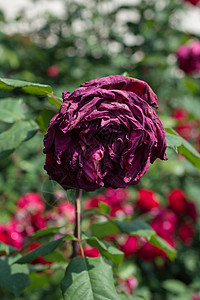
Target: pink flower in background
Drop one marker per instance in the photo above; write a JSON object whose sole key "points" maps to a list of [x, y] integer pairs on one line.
{"points": [[195, 297], [66, 209], [116, 196], [53, 71], [147, 200], [128, 209], [127, 285], [131, 283], [14, 233], [189, 57], [31, 202], [165, 223]]}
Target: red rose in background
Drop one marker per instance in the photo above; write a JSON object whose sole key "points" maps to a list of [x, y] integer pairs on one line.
{"points": [[147, 200], [165, 223], [3, 236], [180, 114], [113, 198], [91, 251], [149, 252], [186, 131], [177, 201], [38, 221], [198, 143], [53, 71], [186, 233], [192, 211], [130, 246], [194, 2], [94, 201]]}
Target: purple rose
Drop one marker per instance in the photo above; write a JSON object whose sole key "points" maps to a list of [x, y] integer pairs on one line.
{"points": [[189, 57], [105, 134]]}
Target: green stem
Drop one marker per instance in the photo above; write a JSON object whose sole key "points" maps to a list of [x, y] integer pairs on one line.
{"points": [[77, 229]]}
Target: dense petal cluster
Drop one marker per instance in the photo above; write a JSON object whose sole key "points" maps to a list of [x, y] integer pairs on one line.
{"points": [[105, 134], [189, 57]]}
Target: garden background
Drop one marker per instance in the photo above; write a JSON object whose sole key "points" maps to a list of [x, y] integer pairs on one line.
{"points": [[62, 48]]}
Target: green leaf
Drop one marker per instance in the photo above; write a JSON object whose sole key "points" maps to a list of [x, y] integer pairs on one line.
{"points": [[38, 280], [174, 286], [89, 279], [55, 256], [25, 86], [104, 208], [139, 228], [45, 231], [40, 251], [30, 88], [101, 229], [136, 228], [11, 110], [178, 144], [14, 136], [57, 102], [124, 296], [6, 249], [44, 118], [44, 249], [108, 251], [157, 241], [13, 277]]}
